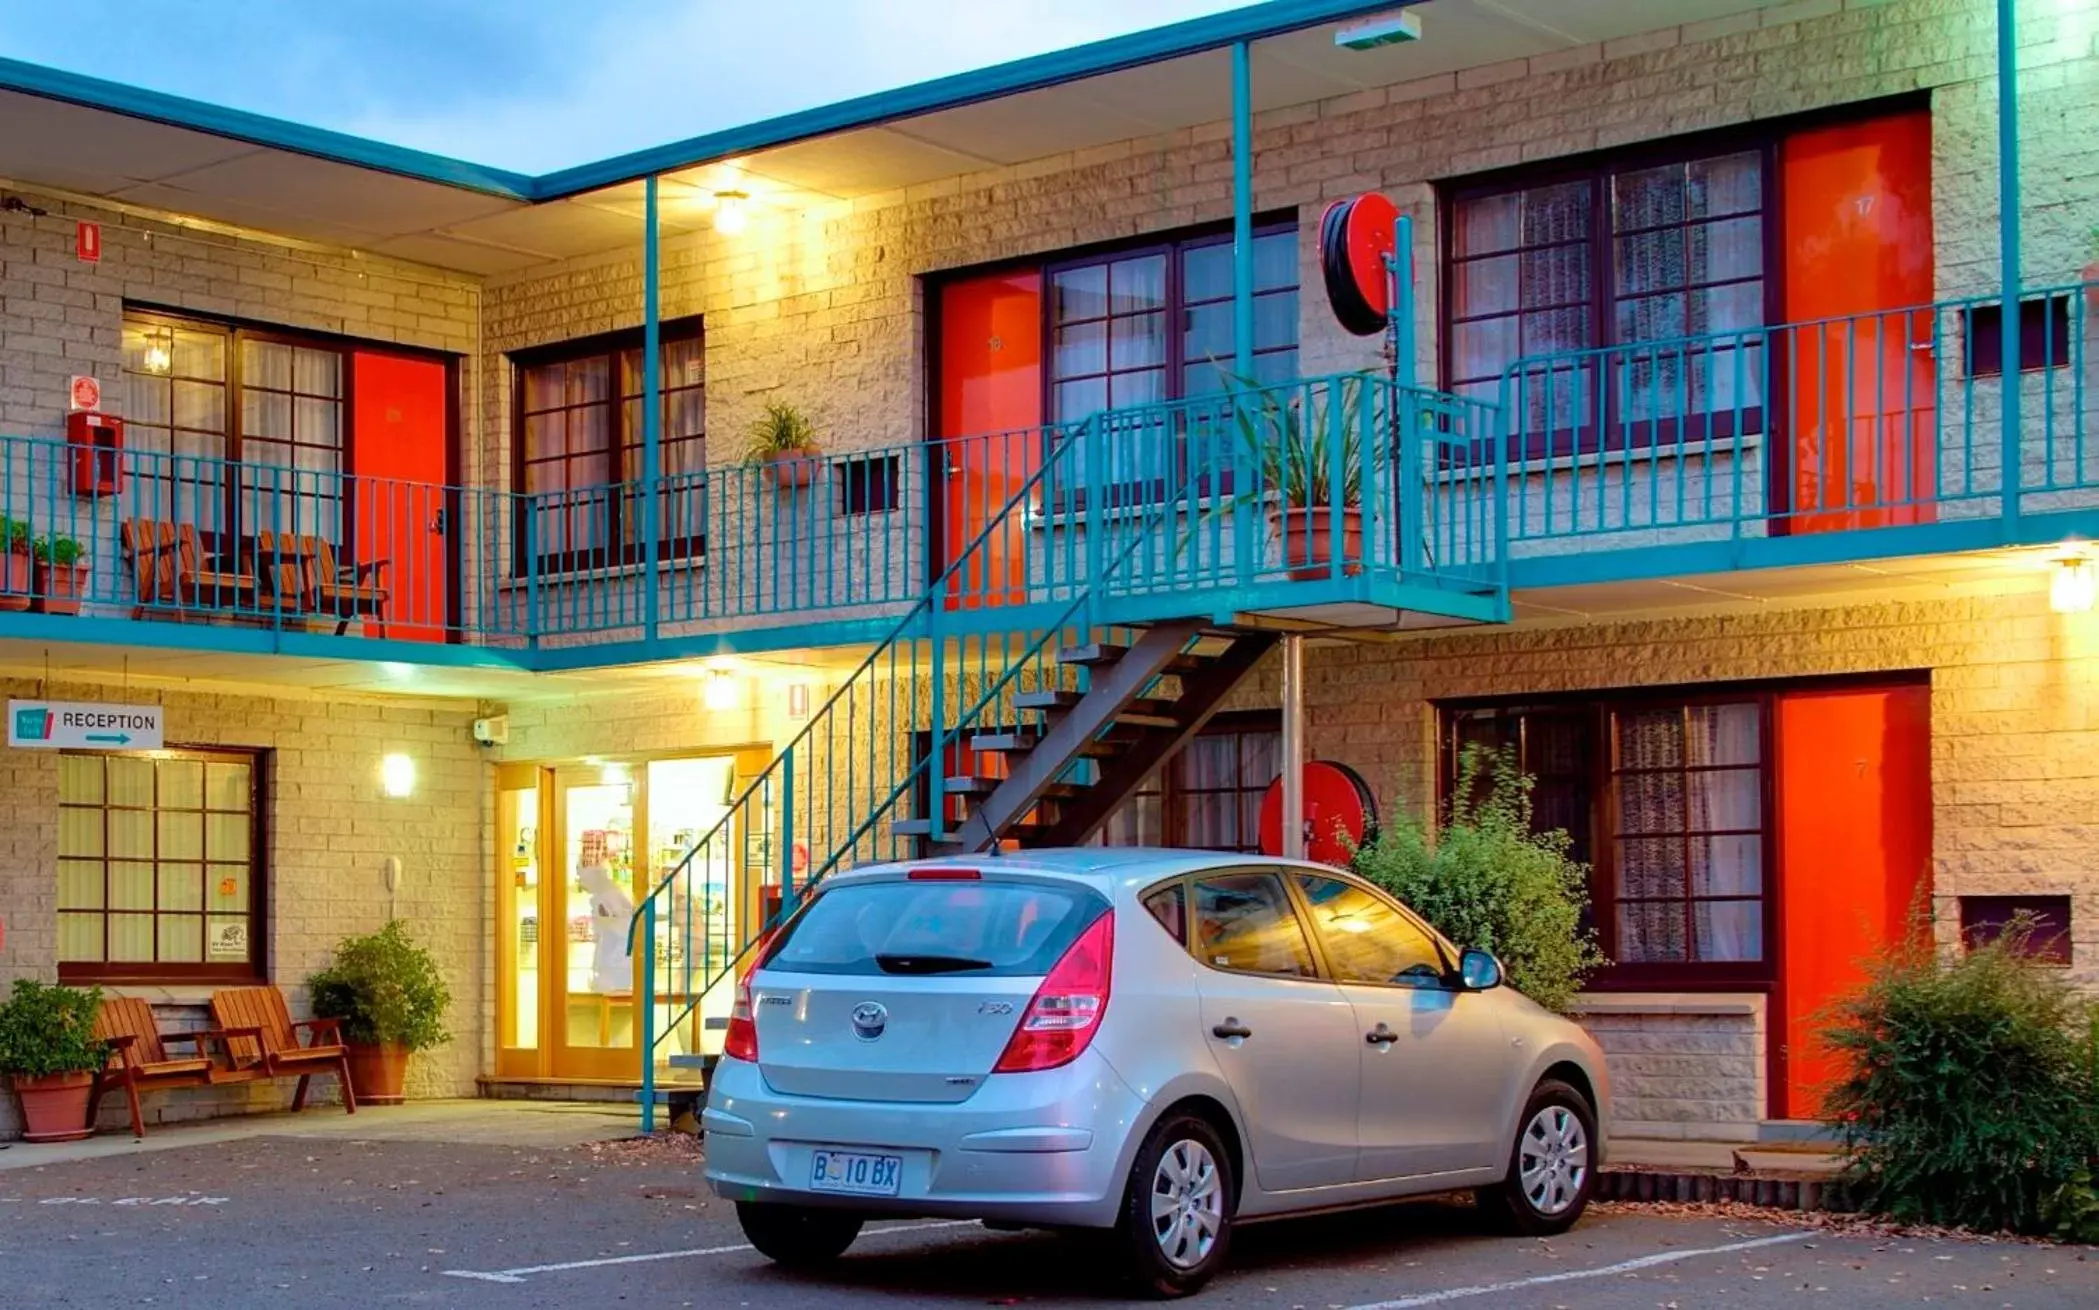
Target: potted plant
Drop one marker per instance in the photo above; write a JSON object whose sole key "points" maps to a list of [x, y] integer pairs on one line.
{"points": [[1289, 433], [782, 441], [15, 568], [49, 1048], [61, 574], [391, 999]]}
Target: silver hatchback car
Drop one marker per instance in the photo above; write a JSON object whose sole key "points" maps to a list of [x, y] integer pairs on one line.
{"points": [[1157, 1044]]}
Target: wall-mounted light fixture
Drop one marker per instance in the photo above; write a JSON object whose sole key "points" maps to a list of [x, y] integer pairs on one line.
{"points": [[397, 776], [2073, 581], [732, 212], [720, 688]]}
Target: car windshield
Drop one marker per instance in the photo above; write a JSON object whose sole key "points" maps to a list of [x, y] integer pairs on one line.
{"points": [[976, 929]]}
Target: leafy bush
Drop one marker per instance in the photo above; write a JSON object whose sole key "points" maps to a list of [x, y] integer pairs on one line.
{"points": [[58, 551], [1485, 879], [1969, 1095], [47, 1030], [384, 988]]}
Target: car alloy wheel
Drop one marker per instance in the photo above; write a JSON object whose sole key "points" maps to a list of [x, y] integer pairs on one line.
{"points": [[1187, 1203], [1553, 1160]]}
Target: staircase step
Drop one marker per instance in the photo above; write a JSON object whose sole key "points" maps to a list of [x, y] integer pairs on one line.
{"points": [[1094, 654], [1051, 701], [1144, 712], [976, 785], [1004, 743], [703, 1063]]}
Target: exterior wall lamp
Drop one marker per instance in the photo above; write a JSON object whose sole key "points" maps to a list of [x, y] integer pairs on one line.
{"points": [[2073, 583], [397, 776], [732, 212]]}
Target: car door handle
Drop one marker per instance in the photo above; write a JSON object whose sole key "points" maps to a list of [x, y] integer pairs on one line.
{"points": [[1380, 1036], [1230, 1028]]}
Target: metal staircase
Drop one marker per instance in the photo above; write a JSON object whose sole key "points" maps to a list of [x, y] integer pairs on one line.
{"points": [[1087, 630]]}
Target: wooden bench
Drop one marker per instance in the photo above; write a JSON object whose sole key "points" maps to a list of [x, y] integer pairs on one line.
{"points": [[260, 1037], [305, 566], [139, 1059], [169, 566]]}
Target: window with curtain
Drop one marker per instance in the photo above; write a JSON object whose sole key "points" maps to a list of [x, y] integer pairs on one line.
{"points": [[236, 430], [1664, 799], [1208, 796], [578, 449], [1153, 324], [160, 866], [1623, 298]]}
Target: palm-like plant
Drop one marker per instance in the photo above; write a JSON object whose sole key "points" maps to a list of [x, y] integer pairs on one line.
{"points": [[1290, 432]]}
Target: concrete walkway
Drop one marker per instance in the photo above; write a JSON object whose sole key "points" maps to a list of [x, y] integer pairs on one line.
{"points": [[476, 1122], [1722, 1157]]}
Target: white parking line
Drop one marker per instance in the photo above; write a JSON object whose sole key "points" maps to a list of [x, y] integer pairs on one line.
{"points": [[520, 1274], [1572, 1275]]}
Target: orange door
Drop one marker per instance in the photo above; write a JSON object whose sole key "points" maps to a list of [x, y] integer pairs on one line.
{"points": [[1854, 813], [990, 429], [400, 455], [1858, 264]]}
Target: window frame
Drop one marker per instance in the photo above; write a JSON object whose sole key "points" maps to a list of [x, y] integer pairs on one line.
{"points": [[614, 549], [1586, 436], [1602, 708], [1160, 783], [134, 972], [1174, 246], [1281, 873], [225, 541]]}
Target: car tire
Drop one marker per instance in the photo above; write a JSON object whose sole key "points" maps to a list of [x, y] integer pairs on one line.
{"points": [[797, 1236], [1176, 1223], [1552, 1165]]}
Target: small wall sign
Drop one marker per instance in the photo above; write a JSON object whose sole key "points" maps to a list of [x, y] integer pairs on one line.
{"points": [[75, 725], [229, 939], [84, 393], [87, 242]]}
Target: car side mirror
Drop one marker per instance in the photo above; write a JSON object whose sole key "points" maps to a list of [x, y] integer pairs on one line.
{"points": [[1479, 971]]}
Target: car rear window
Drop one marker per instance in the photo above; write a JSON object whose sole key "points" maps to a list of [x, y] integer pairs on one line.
{"points": [[970, 929]]}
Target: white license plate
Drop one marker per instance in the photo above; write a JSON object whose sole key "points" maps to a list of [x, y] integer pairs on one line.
{"points": [[861, 1175]]}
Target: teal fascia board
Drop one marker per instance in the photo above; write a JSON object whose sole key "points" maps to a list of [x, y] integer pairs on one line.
{"points": [[231, 640], [260, 129], [1706, 558], [1154, 45]]}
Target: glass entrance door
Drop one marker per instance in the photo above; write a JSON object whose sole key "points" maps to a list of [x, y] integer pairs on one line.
{"points": [[588, 900]]}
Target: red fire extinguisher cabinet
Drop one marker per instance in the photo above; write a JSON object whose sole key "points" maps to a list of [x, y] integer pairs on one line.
{"points": [[95, 441]]}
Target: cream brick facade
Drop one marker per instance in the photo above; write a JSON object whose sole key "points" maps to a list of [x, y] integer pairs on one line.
{"points": [[2015, 773], [330, 833], [827, 309]]}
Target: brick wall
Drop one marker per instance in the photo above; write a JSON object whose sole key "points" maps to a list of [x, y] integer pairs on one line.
{"points": [[330, 833]]}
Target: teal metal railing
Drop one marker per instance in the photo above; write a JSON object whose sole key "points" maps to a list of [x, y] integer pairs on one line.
{"points": [[1870, 420]]}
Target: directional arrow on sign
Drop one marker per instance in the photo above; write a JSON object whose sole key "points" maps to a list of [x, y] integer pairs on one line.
{"points": [[120, 738]]}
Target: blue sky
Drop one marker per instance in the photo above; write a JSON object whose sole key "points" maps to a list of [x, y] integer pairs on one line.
{"points": [[535, 85]]}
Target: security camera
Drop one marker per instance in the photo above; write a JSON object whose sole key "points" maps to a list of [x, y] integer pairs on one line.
{"points": [[493, 732]]}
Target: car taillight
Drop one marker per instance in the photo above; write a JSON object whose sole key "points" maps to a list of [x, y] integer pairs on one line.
{"points": [[1067, 1009], [742, 1041]]}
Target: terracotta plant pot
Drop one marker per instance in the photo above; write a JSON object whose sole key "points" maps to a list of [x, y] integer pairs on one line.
{"points": [[15, 577], [791, 470], [59, 588], [1308, 541], [378, 1073], [54, 1107]]}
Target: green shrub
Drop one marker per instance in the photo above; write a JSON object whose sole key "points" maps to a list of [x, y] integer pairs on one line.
{"points": [[1485, 879], [1968, 1092], [384, 988], [48, 1030], [781, 429]]}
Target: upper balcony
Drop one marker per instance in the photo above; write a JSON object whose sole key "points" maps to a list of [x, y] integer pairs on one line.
{"points": [[1111, 259]]}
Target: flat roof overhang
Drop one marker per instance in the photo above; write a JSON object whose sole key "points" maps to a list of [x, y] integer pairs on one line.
{"points": [[105, 141]]}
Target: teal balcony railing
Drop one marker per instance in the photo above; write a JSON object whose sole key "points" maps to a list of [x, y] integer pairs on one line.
{"points": [[1875, 420]]}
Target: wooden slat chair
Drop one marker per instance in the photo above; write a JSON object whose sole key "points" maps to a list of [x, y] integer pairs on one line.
{"points": [[260, 1035], [169, 567], [138, 1056], [338, 591]]}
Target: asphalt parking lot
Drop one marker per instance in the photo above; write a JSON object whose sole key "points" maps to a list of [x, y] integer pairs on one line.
{"points": [[344, 1222]]}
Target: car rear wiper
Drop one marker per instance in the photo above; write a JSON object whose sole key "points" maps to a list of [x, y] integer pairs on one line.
{"points": [[929, 963]]}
